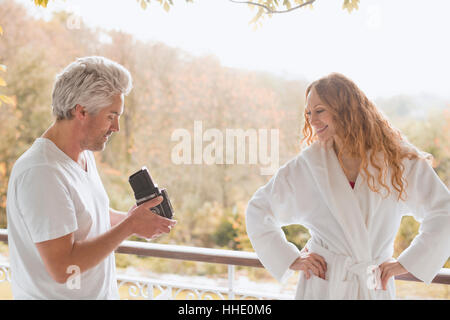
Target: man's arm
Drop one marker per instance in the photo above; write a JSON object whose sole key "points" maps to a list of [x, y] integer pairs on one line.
{"points": [[116, 216], [58, 254]]}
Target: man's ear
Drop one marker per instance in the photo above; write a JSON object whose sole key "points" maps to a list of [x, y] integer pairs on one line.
{"points": [[79, 112]]}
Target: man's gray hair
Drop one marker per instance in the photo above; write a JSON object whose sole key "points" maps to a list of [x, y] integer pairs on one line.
{"points": [[90, 82]]}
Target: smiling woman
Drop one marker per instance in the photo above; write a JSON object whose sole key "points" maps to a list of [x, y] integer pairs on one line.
{"points": [[352, 225], [174, 89], [343, 112]]}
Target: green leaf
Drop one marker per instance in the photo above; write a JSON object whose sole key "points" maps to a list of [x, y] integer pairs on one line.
{"points": [[42, 3], [350, 5], [166, 6], [6, 99], [287, 4], [258, 15]]}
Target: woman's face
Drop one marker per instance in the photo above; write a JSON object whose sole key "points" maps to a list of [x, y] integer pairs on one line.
{"points": [[319, 117]]}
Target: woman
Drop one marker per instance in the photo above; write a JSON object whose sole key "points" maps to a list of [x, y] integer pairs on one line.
{"points": [[350, 187]]}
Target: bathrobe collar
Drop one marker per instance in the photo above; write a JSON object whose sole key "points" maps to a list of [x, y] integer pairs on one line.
{"points": [[339, 196]]}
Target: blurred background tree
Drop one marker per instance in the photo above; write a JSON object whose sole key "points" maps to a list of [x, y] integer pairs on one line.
{"points": [[265, 8], [172, 89]]}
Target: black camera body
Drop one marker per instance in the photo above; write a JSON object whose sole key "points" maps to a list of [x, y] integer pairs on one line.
{"points": [[145, 190]]}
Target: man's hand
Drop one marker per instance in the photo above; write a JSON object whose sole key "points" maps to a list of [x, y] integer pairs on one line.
{"points": [[60, 253], [147, 224]]}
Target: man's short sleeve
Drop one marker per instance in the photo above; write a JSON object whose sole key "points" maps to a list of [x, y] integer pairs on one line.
{"points": [[45, 204]]}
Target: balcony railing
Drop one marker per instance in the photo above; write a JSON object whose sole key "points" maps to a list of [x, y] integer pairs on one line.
{"points": [[157, 289]]}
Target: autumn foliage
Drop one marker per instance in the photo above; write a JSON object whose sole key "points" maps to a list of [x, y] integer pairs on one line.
{"points": [[172, 89]]}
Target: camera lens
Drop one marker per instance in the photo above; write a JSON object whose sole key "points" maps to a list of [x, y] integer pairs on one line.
{"points": [[143, 187]]}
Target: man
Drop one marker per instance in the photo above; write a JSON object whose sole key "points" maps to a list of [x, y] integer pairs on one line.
{"points": [[60, 225]]}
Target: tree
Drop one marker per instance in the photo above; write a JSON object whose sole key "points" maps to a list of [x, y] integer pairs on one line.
{"points": [[4, 98], [171, 90], [265, 7]]}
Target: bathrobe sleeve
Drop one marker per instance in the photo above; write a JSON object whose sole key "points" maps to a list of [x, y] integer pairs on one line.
{"points": [[428, 199], [272, 206]]}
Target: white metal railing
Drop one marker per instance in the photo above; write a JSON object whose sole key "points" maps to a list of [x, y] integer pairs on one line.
{"points": [[151, 288], [156, 288]]}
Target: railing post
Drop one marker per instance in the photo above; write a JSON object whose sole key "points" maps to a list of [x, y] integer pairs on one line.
{"points": [[150, 292], [231, 282]]}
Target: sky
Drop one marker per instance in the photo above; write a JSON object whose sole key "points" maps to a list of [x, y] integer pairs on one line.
{"points": [[387, 47]]}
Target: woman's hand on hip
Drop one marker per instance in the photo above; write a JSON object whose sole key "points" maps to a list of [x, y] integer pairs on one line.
{"points": [[310, 262], [389, 269]]}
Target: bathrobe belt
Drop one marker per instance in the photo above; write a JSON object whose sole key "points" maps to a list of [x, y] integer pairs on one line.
{"points": [[344, 268]]}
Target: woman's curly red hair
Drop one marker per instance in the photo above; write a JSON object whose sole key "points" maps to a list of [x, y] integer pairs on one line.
{"points": [[365, 133]]}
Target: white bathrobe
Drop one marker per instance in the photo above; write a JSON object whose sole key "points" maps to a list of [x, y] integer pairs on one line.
{"points": [[353, 229]]}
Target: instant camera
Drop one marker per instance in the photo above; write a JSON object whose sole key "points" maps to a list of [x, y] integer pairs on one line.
{"points": [[145, 190]]}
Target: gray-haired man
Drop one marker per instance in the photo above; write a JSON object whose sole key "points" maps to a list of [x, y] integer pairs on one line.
{"points": [[60, 225]]}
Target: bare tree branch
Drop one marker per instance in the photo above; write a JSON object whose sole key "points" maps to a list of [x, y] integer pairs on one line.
{"points": [[269, 10]]}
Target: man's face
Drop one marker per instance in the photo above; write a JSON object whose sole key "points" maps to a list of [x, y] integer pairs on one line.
{"points": [[100, 126]]}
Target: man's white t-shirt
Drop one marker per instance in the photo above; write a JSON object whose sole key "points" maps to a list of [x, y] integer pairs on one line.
{"points": [[49, 196]]}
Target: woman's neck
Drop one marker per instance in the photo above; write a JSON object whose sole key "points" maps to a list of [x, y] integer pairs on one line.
{"points": [[350, 162]]}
